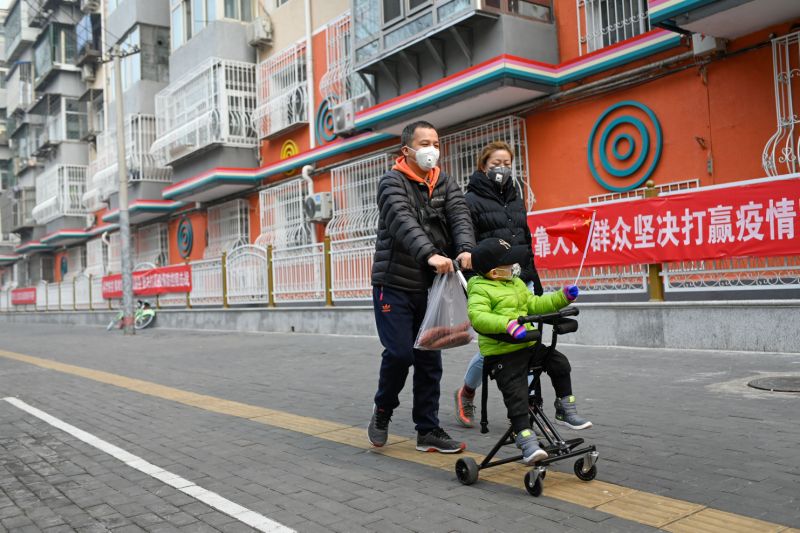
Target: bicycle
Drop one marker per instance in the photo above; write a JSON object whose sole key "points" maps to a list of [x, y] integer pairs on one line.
{"points": [[143, 317]]}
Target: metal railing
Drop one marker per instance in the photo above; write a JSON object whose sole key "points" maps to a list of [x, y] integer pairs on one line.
{"points": [[299, 274], [602, 23], [281, 95], [59, 192], [207, 282], [351, 269], [246, 275], [627, 279], [732, 274], [82, 285], [282, 217], [782, 152]]}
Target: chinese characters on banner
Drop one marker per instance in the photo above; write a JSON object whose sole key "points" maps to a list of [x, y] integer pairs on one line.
{"points": [[24, 296], [755, 219], [175, 278]]}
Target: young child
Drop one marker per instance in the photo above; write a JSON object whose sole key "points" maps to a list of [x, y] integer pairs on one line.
{"points": [[496, 298]]}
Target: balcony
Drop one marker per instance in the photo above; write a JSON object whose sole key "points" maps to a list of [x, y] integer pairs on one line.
{"points": [[63, 119], [22, 209], [728, 19], [19, 87], [59, 192], [211, 105], [18, 31], [404, 50], [140, 134], [89, 38], [55, 51], [282, 92]]}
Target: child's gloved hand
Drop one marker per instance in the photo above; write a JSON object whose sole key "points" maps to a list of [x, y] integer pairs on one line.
{"points": [[571, 292], [516, 330]]}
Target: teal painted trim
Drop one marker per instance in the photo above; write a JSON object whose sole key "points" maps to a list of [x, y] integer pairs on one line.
{"points": [[679, 9], [631, 146], [642, 157], [209, 182]]}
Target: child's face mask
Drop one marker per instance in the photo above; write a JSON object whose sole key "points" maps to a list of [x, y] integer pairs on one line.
{"points": [[505, 272]]}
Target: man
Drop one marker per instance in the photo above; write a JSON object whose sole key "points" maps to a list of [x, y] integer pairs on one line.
{"points": [[424, 223]]}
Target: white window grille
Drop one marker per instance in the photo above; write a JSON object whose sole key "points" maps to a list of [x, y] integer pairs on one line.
{"points": [[59, 193], [96, 257], [76, 262], [602, 23], [212, 104], [140, 134], [152, 245], [782, 152], [282, 95], [355, 191], [115, 252], [283, 223], [340, 82], [228, 227], [460, 151]]}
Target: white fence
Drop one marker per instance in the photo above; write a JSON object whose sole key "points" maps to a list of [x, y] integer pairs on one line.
{"points": [[98, 302], [83, 287], [627, 279], [206, 282], [351, 269], [246, 275], [733, 274], [299, 274]]}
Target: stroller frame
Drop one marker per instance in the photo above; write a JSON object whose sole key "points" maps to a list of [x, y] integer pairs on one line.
{"points": [[557, 448]]}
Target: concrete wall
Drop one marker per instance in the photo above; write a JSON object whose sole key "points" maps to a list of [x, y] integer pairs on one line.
{"points": [[221, 38], [288, 21], [758, 326], [132, 12], [216, 157]]}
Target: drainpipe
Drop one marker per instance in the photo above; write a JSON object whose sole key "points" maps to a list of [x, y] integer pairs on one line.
{"points": [[310, 77]]}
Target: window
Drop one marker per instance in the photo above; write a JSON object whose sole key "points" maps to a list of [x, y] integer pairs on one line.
{"points": [[282, 91], [178, 35], [57, 45], [228, 227], [204, 12], [283, 223], [96, 257], [606, 22], [76, 119], [279, 3], [112, 5], [88, 34], [239, 10], [151, 245], [76, 261], [151, 63], [392, 9]]}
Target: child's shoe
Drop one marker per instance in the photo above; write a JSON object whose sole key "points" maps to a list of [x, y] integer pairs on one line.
{"points": [[529, 444], [567, 414], [465, 408]]}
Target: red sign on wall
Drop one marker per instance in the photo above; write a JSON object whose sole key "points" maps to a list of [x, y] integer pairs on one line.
{"points": [[759, 218], [169, 279], [24, 296]]}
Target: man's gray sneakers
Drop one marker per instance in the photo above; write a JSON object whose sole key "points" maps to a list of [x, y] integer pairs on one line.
{"points": [[378, 429], [567, 414], [527, 441], [437, 440]]}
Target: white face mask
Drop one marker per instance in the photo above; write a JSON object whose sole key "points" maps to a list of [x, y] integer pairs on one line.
{"points": [[426, 157]]}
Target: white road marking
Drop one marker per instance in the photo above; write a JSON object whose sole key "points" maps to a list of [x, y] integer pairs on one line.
{"points": [[212, 499]]}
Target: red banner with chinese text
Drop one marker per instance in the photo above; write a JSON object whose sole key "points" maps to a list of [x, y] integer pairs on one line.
{"points": [[24, 296], [754, 219], [174, 278]]}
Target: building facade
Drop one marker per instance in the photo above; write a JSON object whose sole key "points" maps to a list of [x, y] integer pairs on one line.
{"points": [[256, 130]]}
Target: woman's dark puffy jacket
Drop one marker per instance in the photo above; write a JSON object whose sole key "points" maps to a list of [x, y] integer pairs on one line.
{"points": [[501, 214], [413, 226]]}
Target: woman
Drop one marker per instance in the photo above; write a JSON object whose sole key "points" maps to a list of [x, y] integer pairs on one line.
{"points": [[496, 204]]}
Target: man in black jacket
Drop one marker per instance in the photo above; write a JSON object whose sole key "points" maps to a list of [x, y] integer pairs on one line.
{"points": [[424, 223]]}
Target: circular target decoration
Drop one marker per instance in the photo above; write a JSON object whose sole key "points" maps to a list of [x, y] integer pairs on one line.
{"points": [[289, 149], [324, 122], [627, 141], [185, 237]]}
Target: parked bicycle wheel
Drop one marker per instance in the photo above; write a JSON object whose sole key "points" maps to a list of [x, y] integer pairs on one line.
{"points": [[114, 322], [143, 320]]}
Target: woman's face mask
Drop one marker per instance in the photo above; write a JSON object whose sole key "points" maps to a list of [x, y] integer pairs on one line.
{"points": [[500, 176], [426, 157]]}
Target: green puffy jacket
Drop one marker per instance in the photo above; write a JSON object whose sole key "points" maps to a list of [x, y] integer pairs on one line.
{"points": [[492, 304]]}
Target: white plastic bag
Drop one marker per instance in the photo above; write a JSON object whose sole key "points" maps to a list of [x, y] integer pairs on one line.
{"points": [[446, 324]]}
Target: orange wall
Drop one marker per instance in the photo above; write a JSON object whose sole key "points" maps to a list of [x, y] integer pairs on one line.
{"points": [[728, 107], [198, 220]]}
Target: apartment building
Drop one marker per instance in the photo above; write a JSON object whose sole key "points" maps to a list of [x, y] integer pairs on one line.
{"points": [[256, 129]]}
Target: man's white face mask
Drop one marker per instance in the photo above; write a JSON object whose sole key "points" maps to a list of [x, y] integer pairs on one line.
{"points": [[426, 157]]}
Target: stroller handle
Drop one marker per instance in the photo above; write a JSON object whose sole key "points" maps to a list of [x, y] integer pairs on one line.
{"points": [[567, 311]]}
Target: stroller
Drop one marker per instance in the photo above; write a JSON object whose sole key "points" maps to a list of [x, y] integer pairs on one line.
{"points": [[557, 448]]}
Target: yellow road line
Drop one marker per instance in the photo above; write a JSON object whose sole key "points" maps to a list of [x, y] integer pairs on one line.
{"points": [[670, 514]]}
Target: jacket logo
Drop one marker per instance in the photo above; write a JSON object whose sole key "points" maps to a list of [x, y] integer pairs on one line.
{"points": [[504, 244], [386, 308]]}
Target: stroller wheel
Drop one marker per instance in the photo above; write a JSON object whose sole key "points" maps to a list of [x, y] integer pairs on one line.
{"points": [[467, 470], [587, 476], [534, 484]]}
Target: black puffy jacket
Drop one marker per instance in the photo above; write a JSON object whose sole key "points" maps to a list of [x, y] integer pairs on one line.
{"points": [[413, 226], [502, 214]]}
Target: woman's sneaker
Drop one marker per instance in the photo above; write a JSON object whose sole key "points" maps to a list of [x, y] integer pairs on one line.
{"points": [[378, 429], [567, 414], [437, 440], [465, 408], [527, 441]]}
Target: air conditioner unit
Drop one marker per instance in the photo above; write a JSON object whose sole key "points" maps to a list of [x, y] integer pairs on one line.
{"points": [[363, 102], [344, 117], [259, 32], [90, 6], [319, 206], [87, 73]]}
